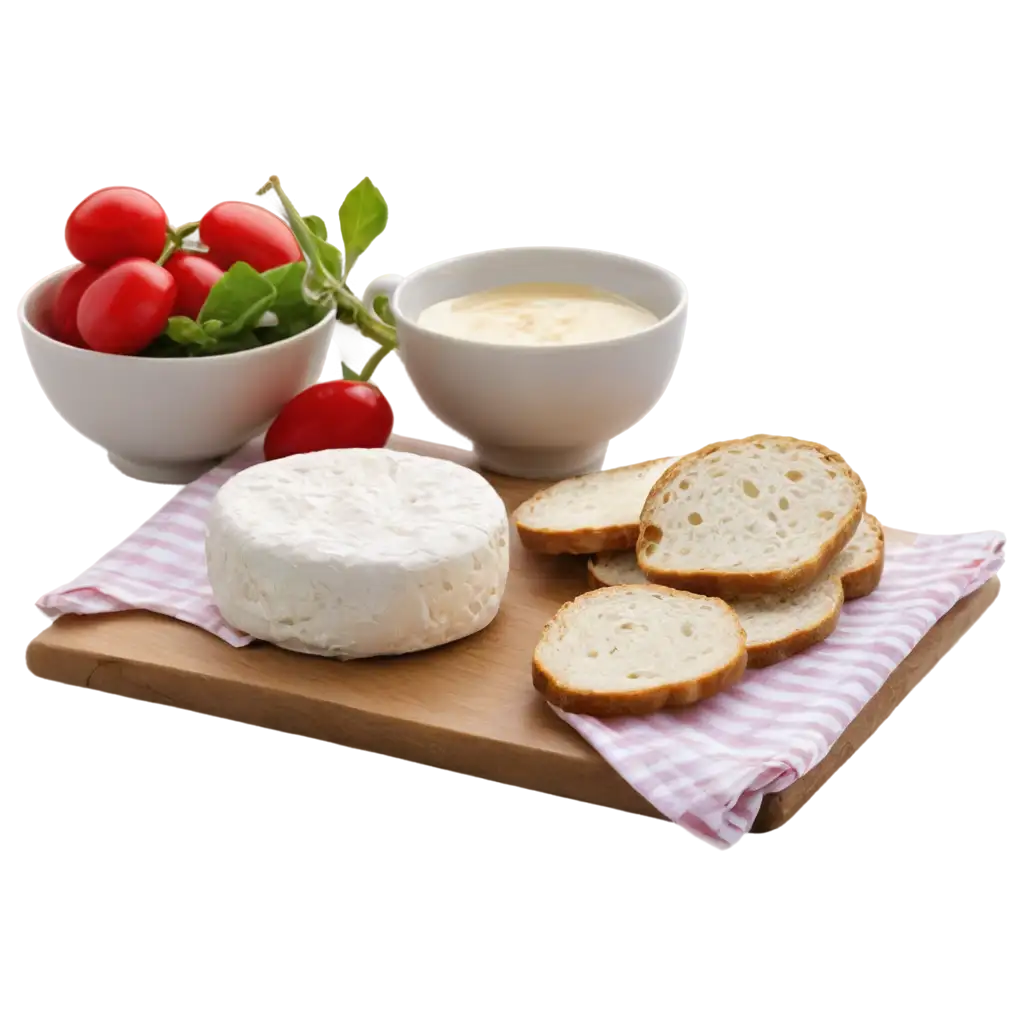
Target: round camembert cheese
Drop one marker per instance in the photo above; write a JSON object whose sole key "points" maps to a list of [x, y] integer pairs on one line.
{"points": [[356, 552]]}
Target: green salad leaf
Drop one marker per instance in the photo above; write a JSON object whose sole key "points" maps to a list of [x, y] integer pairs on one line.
{"points": [[328, 253], [187, 332], [164, 347], [237, 300], [363, 216], [184, 338], [234, 316], [246, 309], [293, 311]]}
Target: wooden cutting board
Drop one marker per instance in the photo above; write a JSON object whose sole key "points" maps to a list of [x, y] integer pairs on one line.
{"points": [[468, 707]]}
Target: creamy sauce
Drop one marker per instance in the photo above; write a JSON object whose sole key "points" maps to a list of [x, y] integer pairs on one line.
{"points": [[537, 314]]}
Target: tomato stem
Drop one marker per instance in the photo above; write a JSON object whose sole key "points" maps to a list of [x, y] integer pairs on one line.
{"points": [[169, 249], [187, 229], [176, 240], [374, 361]]}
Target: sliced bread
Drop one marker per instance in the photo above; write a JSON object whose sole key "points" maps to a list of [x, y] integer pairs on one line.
{"points": [[596, 512], [614, 568], [753, 516], [777, 625], [860, 563], [781, 625], [636, 649]]}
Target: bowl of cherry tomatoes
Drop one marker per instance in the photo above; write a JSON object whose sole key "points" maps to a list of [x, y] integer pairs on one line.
{"points": [[171, 355]]}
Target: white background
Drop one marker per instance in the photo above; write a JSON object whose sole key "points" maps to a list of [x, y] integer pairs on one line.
{"points": [[847, 336]]}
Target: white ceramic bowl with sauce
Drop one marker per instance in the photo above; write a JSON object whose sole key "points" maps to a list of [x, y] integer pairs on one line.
{"points": [[546, 410], [168, 420]]}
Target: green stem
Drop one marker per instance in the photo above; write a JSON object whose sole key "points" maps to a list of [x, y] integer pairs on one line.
{"points": [[318, 280], [187, 229], [169, 249], [383, 334], [352, 311], [382, 308], [374, 361], [176, 239]]}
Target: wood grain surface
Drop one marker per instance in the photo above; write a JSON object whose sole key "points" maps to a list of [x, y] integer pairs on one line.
{"points": [[468, 707]]}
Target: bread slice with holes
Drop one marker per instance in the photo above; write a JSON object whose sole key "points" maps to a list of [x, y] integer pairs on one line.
{"points": [[596, 512], [781, 625], [860, 563], [753, 516], [635, 649], [777, 625]]}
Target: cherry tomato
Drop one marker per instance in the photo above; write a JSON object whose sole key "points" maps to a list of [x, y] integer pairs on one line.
{"points": [[244, 232], [333, 414], [195, 276], [64, 314], [126, 307], [116, 223]]}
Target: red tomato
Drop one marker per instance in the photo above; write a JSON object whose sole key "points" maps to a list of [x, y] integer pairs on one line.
{"points": [[116, 223], [126, 307], [63, 316], [244, 232], [334, 414], [194, 276]]}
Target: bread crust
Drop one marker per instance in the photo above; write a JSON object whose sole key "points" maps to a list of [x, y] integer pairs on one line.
{"points": [[762, 655], [642, 701], [861, 582], [579, 542], [594, 579], [584, 541], [739, 584], [856, 582]]}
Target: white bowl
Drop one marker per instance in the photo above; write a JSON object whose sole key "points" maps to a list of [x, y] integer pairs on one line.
{"points": [[168, 420], [539, 411]]}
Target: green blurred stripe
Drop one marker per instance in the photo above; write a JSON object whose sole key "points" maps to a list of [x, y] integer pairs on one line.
{"points": [[435, 213]]}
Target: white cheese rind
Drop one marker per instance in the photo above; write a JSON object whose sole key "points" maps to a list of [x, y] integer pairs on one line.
{"points": [[354, 553]]}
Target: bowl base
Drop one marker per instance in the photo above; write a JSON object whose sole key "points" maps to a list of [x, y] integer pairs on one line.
{"points": [[162, 472], [541, 463]]}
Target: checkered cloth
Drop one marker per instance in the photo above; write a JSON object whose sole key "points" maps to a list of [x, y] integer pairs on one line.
{"points": [[706, 767]]}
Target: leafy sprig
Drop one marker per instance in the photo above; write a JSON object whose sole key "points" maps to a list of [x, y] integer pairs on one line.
{"points": [[246, 309], [362, 217]]}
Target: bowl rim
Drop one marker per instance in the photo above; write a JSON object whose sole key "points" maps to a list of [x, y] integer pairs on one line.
{"points": [[75, 352], [583, 346]]}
